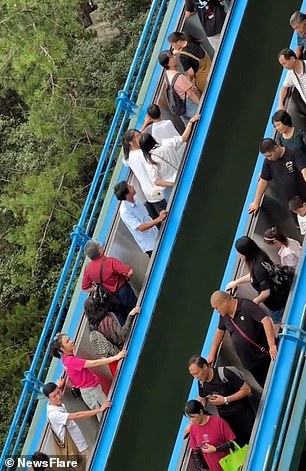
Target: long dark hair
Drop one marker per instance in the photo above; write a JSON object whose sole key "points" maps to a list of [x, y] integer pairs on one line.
{"points": [[95, 311], [128, 137], [247, 247], [147, 143], [56, 346]]}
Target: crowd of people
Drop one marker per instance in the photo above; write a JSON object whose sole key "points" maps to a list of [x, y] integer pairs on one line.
{"points": [[154, 155]]}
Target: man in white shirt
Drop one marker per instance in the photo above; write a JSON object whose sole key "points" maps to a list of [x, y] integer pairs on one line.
{"points": [[296, 78], [136, 217], [158, 128], [60, 419]]}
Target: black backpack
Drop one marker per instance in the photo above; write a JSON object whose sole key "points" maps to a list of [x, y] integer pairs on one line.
{"points": [[175, 103]]}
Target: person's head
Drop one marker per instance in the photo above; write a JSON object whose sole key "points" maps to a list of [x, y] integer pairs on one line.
{"points": [[40, 461], [62, 345], [154, 111], [270, 149], [287, 58], [130, 141], [53, 393], [167, 60], [198, 367], [147, 144], [298, 22], [281, 120], [296, 205], [220, 301], [93, 249], [124, 191], [95, 311], [274, 237], [195, 411], [250, 251], [177, 40]]}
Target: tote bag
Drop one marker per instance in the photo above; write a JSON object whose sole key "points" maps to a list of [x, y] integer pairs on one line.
{"points": [[234, 461], [67, 450]]}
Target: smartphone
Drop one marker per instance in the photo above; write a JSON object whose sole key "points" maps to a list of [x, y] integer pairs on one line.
{"points": [[210, 396]]}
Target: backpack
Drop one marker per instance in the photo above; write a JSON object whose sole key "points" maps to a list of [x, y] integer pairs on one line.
{"points": [[233, 369], [281, 276], [175, 103]]}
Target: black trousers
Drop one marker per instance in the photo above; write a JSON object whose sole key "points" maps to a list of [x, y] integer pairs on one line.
{"points": [[260, 371], [241, 422], [155, 208], [128, 302]]}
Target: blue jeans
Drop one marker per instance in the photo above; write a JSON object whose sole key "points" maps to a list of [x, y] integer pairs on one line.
{"points": [[277, 316], [191, 110]]}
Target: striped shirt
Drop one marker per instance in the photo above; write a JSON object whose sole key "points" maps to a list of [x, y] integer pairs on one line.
{"points": [[293, 79]]}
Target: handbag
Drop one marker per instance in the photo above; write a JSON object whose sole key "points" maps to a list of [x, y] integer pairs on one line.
{"points": [[104, 296], [68, 449], [235, 459]]}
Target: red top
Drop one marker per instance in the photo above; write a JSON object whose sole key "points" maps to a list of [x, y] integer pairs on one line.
{"points": [[216, 432], [114, 272], [80, 376]]}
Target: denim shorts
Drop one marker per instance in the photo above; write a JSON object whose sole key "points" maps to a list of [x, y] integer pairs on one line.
{"points": [[277, 316]]}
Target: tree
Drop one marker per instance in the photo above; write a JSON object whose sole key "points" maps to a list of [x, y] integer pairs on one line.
{"points": [[58, 86]]}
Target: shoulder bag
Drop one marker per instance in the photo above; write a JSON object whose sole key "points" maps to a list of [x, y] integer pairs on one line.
{"points": [[246, 337]]}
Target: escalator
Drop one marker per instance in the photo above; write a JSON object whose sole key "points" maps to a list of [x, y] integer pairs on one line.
{"points": [[182, 313]]}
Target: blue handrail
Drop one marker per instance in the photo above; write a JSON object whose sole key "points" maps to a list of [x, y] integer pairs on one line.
{"points": [[79, 237]]}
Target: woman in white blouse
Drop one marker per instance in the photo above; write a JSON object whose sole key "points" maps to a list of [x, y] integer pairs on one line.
{"points": [[163, 161], [289, 250]]}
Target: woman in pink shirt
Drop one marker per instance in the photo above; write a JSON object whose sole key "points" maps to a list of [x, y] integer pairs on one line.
{"points": [[79, 372], [210, 437], [181, 84]]}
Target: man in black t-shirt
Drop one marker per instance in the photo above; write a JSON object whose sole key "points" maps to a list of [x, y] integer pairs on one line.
{"points": [[251, 332], [228, 391], [286, 166]]}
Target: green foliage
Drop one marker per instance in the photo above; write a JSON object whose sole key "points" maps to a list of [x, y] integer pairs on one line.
{"points": [[58, 90]]}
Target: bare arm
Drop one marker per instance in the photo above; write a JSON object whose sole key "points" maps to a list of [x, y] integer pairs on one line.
{"points": [[269, 331], [282, 97], [303, 172], [146, 123], [244, 391], [215, 345], [89, 413], [186, 134], [104, 361], [240, 281], [261, 188], [164, 183], [194, 95], [261, 298], [147, 225]]}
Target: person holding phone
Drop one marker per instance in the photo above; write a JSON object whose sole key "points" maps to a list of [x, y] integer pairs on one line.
{"points": [[226, 389], [210, 437]]}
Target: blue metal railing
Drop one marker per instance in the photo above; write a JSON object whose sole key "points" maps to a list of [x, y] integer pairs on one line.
{"points": [[80, 235]]}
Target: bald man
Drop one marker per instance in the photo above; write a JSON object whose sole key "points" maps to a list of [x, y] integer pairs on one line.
{"points": [[251, 332]]}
